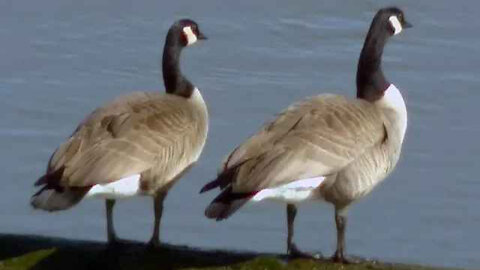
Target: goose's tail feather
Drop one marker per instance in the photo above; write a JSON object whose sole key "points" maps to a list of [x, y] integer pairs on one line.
{"points": [[51, 199], [52, 196], [225, 204]]}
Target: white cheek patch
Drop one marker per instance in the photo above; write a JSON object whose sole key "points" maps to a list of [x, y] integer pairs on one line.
{"points": [[397, 26], [191, 37]]}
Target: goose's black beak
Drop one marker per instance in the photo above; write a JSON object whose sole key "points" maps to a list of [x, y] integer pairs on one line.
{"points": [[407, 24], [201, 36]]}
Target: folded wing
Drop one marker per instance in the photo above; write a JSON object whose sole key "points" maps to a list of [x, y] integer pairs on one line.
{"points": [[316, 137], [130, 135]]}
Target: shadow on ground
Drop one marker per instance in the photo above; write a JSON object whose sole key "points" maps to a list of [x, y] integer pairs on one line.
{"points": [[55, 253], [18, 252]]}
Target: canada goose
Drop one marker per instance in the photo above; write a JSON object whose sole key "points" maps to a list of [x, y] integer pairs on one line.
{"points": [[326, 147], [139, 144]]}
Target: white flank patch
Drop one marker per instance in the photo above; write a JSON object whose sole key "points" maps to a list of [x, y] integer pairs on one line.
{"points": [[397, 26], [392, 99], [296, 191], [123, 188], [191, 37]]}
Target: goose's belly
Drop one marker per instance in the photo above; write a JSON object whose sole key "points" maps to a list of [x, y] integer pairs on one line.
{"points": [[359, 178]]}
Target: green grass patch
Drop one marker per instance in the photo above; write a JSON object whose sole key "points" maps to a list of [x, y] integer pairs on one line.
{"points": [[26, 261]]}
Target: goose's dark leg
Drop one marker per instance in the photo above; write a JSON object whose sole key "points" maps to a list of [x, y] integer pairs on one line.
{"points": [[292, 249], [112, 237], [291, 213], [158, 209], [341, 224]]}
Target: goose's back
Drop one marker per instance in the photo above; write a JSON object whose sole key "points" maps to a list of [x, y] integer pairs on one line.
{"points": [[154, 134]]}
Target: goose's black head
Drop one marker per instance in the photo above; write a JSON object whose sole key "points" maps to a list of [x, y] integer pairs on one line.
{"points": [[186, 32], [391, 20]]}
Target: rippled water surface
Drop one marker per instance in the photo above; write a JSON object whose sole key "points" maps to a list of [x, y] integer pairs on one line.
{"points": [[61, 59]]}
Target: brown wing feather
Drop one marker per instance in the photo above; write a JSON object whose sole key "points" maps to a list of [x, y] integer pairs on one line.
{"points": [[125, 137], [318, 136]]}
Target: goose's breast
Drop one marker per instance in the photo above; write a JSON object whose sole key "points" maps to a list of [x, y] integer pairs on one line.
{"points": [[201, 115], [186, 150], [374, 165], [360, 177]]}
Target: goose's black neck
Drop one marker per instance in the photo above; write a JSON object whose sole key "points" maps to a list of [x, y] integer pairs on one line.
{"points": [[371, 83], [175, 82]]}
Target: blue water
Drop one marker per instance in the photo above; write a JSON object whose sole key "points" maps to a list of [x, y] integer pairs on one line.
{"points": [[61, 59]]}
